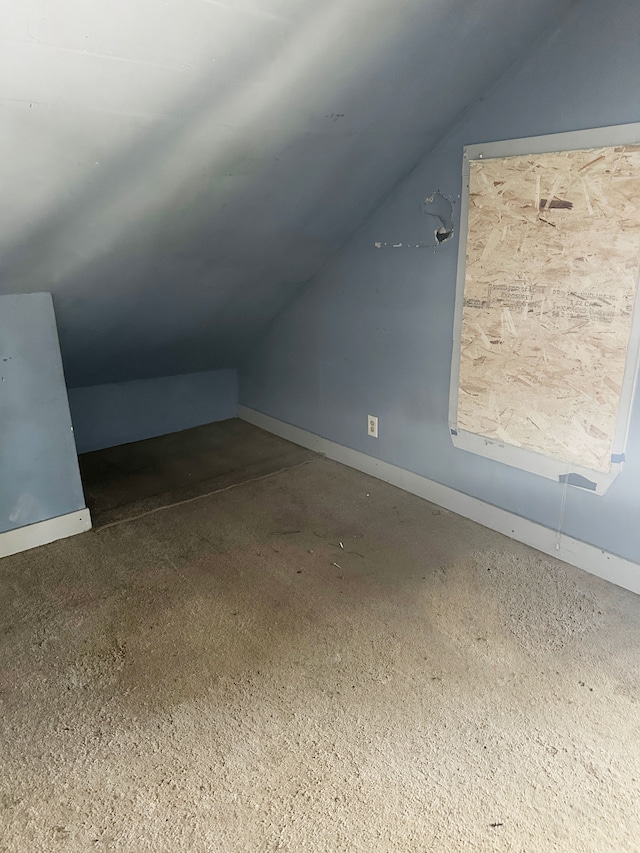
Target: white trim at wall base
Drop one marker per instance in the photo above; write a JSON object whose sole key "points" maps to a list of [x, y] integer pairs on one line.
{"points": [[43, 532], [622, 572]]}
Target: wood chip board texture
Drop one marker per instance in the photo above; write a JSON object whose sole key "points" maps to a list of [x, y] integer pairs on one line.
{"points": [[553, 249]]}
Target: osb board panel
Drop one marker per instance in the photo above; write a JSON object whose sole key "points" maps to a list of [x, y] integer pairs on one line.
{"points": [[553, 249]]}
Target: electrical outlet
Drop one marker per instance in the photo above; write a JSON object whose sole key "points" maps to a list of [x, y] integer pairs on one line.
{"points": [[372, 426]]}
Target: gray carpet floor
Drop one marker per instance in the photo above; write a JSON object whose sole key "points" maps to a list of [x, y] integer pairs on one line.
{"points": [[312, 661], [133, 479]]}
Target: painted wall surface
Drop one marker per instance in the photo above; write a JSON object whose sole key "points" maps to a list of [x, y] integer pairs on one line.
{"points": [[119, 413], [173, 172], [373, 333], [39, 476]]}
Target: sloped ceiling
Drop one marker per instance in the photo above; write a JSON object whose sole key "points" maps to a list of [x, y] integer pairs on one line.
{"points": [[174, 171]]}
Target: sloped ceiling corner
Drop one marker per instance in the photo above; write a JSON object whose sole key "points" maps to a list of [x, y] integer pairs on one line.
{"points": [[174, 171]]}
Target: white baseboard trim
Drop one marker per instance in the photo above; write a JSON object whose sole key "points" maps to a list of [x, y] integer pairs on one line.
{"points": [[43, 532], [594, 560]]}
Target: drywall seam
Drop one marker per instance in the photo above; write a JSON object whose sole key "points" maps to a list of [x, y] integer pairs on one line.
{"points": [[43, 532], [591, 559]]}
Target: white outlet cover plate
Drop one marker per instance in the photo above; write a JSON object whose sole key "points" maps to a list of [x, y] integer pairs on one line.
{"points": [[372, 426]]}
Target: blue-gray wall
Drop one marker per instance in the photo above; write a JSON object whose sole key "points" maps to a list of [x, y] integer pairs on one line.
{"points": [[373, 333], [39, 477], [119, 413]]}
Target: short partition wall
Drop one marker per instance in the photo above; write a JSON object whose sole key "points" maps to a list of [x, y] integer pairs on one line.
{"points": [[123, 412], [41, 497]]}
